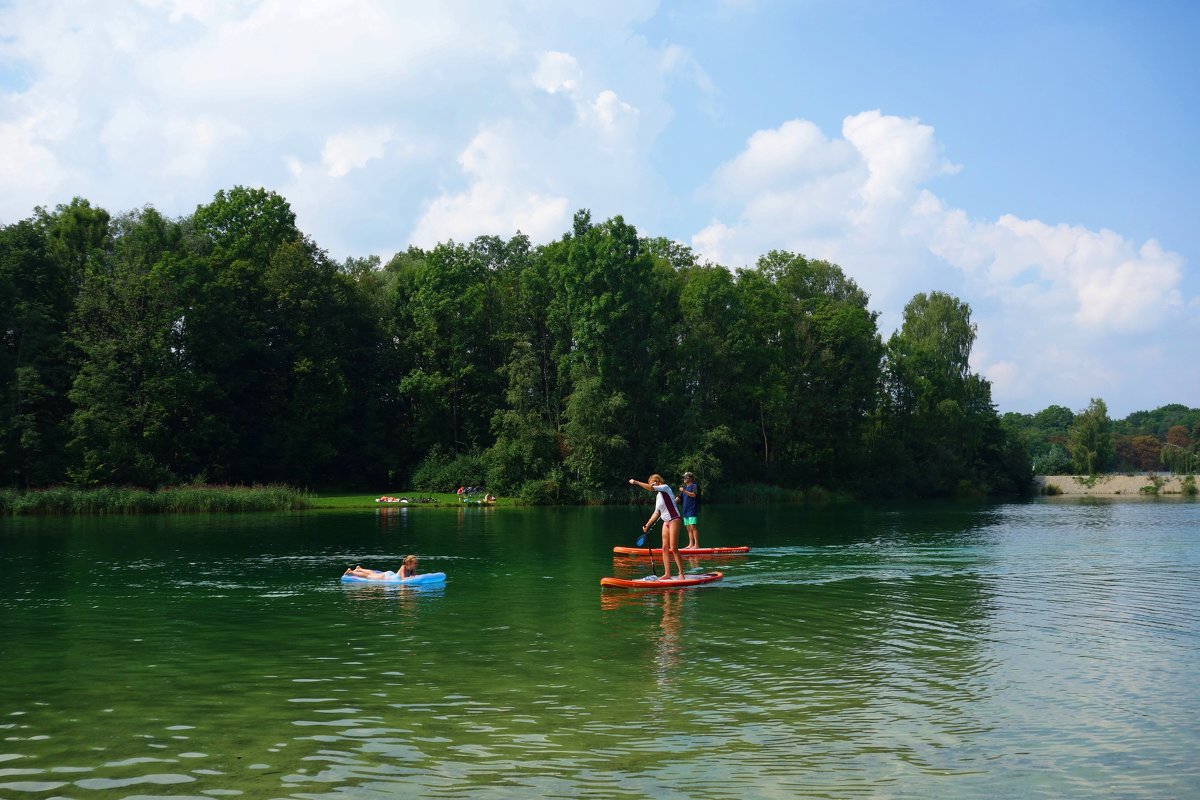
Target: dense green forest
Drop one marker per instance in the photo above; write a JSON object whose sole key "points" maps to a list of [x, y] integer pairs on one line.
{"points": [[226, 346], [1061, 442]]}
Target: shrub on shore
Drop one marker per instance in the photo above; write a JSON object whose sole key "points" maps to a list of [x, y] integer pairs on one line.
{"points": [[169, 500]]}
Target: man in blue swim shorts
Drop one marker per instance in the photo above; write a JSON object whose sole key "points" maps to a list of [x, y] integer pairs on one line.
{"points": [[689, 495]]}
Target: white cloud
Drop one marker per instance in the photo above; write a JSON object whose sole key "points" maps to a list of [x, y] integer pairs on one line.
{"points": [[352, 149], [711, 240], [1049, 300], [495, 202], [781, 160], [488, 208], [386, 123], [139, 142], [557, 72], [678, 59], [610, 113], [293, 48], [1105, 281], [193, 143], [900, 154], [28, 171]]}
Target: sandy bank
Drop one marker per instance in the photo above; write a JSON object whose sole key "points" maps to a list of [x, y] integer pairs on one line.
{"points": [[1109, 484]]}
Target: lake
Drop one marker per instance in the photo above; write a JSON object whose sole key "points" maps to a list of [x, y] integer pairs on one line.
{"points": [[1040, 649]]}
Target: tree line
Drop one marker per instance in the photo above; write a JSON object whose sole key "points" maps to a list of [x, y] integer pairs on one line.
{"points": [[1062, 442], [226, 346]]}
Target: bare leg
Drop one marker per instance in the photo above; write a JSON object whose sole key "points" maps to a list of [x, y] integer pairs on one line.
{"points": [[673, 538], [666, 564], [693, 537]]}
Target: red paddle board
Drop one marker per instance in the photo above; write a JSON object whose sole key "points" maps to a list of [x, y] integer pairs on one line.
{"points": [[661, 583], [683, 551]]}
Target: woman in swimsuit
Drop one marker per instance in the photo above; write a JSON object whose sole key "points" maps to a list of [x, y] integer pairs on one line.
{"points": [[408, 569], [664, 509]]}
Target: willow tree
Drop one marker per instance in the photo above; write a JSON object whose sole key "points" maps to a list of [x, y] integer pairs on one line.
{"points": [[1090, 440]]}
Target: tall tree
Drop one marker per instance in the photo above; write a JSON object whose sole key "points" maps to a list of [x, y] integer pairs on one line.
{"points": [[36, 292], [938, 426], [229, 325], [449, 322], [613, 309], [1090, 439], [138, 410], [831, 368]]}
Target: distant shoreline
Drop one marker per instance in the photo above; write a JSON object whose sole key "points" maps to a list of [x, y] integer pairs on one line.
{"points": [[1109, 485]]}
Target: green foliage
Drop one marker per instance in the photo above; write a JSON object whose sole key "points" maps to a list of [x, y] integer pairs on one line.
{"points": [[40, 263], [1189, 485], [138, 349], [550, 490], [1053, 461], [442, 471], [1159, 421], [756, 494], [936, 426], [1090, 439], [1181, 460]]}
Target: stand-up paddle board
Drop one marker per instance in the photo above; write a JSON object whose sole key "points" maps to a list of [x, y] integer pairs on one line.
{"points": [[683, 551], [654, 582]]}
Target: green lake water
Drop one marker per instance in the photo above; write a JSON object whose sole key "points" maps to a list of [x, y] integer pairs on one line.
{"points": [[1041, 649]]}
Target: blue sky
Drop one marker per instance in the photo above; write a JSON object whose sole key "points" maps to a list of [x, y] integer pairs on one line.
{"points": [[1036, 159]]}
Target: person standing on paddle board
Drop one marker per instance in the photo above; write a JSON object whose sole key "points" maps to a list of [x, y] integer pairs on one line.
{"points": [[664, 509], [689, 495]]}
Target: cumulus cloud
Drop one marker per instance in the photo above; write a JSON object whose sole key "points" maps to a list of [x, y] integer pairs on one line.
{"points": [[495, 202], [605, 113], [1107, 282], [28, 170], [899, 154], [557, 72], [783, 159], [863, 201], [611, 113], [386, 124], [352, 149], [365, 115]]}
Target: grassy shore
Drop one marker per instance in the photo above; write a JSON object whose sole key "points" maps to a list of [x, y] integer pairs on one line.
{"points": [[337, 500], [62, 500]]}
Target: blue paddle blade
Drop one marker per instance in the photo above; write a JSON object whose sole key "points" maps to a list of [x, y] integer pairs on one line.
{"points": [[641, 540]]}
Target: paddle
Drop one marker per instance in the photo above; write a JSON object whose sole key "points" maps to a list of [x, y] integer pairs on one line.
{"points": [[641, 541]]}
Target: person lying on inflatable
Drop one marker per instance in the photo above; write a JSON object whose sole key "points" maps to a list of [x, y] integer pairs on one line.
{"points": [[408, 569]]}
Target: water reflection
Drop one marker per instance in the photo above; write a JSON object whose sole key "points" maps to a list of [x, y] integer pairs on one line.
{"points": [[1022, 650]]}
